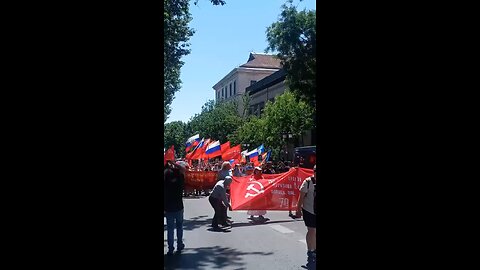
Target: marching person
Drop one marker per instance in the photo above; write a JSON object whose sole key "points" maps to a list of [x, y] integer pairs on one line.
{"points": [[257, 175], [173, 204], [224, 171], [268, 169], [218, 200], [237, 171], [306, 208]]}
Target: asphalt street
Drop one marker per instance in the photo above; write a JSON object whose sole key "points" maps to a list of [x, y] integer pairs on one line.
{"points": [[277, 244]]}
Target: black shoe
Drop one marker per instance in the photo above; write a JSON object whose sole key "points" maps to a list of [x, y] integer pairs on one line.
{"points": [[180, 247], [170, 252]]}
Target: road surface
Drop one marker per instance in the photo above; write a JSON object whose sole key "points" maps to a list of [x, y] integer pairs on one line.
{"points": [[277, 244]]}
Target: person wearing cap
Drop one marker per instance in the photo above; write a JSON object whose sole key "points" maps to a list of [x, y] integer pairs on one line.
{"points": [[174, 180], [218, 200], [257, 175], [306, 208]]}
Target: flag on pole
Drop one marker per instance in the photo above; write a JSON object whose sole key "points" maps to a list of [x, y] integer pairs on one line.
{"points": [[266, 156], [169, 155], [224, 147], [191, 142], [253, 156], [213, 150]]}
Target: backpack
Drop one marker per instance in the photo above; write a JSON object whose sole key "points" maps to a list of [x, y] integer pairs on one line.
{"points": [[314, 195]]}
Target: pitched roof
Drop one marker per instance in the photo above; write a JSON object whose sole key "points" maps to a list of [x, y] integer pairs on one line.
{"points": [[262, 61]]}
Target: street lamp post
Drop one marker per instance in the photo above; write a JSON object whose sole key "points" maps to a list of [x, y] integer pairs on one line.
{"points": [[286, 136], [246, 145]]}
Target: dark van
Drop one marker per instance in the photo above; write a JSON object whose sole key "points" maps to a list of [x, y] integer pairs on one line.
{"points": [[306, 157]]}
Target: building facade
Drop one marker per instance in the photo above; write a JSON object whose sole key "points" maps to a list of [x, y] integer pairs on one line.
{"points": [[266, 90], [233, 85]]}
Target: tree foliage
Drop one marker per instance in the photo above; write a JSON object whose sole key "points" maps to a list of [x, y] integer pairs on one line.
{"points": [[176, 33], [294, 38], [175, 134], [285, 115], [216, 121]]}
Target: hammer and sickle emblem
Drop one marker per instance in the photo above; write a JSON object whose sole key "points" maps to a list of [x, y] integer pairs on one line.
{"points": [[252, 188]]}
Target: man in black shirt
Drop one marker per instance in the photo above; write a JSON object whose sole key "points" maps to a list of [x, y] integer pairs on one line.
{"points": [[174, 179]]}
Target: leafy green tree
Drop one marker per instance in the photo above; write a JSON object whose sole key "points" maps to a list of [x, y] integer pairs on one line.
{"points": [[174, 134], [216, 121], [294, 38], [285, 115], [252, 132], [176, 33]]}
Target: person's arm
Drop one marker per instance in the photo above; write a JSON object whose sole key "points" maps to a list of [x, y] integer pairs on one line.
{"points": [[224, 198], [301, 198]]}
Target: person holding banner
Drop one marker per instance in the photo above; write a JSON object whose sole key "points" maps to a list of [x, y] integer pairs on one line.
{"points": [[218, 200], [257, 174], [305, 206]]}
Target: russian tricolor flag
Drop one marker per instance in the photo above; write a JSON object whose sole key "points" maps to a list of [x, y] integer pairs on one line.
{"points": [[252, 153], [192, 141], [213, 149], [253, 156]]}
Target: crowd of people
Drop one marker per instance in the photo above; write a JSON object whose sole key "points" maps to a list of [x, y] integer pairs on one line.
{"points": [[174, 185], [239, 169]]}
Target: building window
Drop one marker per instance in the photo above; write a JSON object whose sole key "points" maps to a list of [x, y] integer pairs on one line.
{"points": [[234, 87], [223, 92], [261, 106], [230, 89], [252, 82]]}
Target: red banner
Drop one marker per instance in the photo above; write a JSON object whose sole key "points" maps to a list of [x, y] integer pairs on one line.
{"points": [[200, 179], [273, 192]]}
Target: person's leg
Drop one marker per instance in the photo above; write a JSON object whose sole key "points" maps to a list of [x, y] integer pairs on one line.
{"points": [[170, 228], [310, 223], [223, 214], [311, 239], [213, 202], [179, 226]]}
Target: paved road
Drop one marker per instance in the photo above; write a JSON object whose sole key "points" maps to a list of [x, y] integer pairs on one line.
{"points": [[277, 244]]}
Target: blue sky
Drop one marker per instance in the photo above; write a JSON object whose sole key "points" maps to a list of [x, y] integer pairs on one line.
{"points": [[224, 37]]}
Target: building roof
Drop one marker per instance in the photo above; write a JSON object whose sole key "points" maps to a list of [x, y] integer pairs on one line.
{"points": [[268, 81], [256, 60]]}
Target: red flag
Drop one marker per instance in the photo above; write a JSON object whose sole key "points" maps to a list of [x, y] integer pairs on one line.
{"points": [[255, 160], [200, 152], [274, 192], [169, 155], [232, 153], [224, 147]]}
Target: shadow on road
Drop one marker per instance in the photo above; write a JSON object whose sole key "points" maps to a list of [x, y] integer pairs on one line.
{"points": [[215, 257], [251, 223], [194, 223], [195, 197]]}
